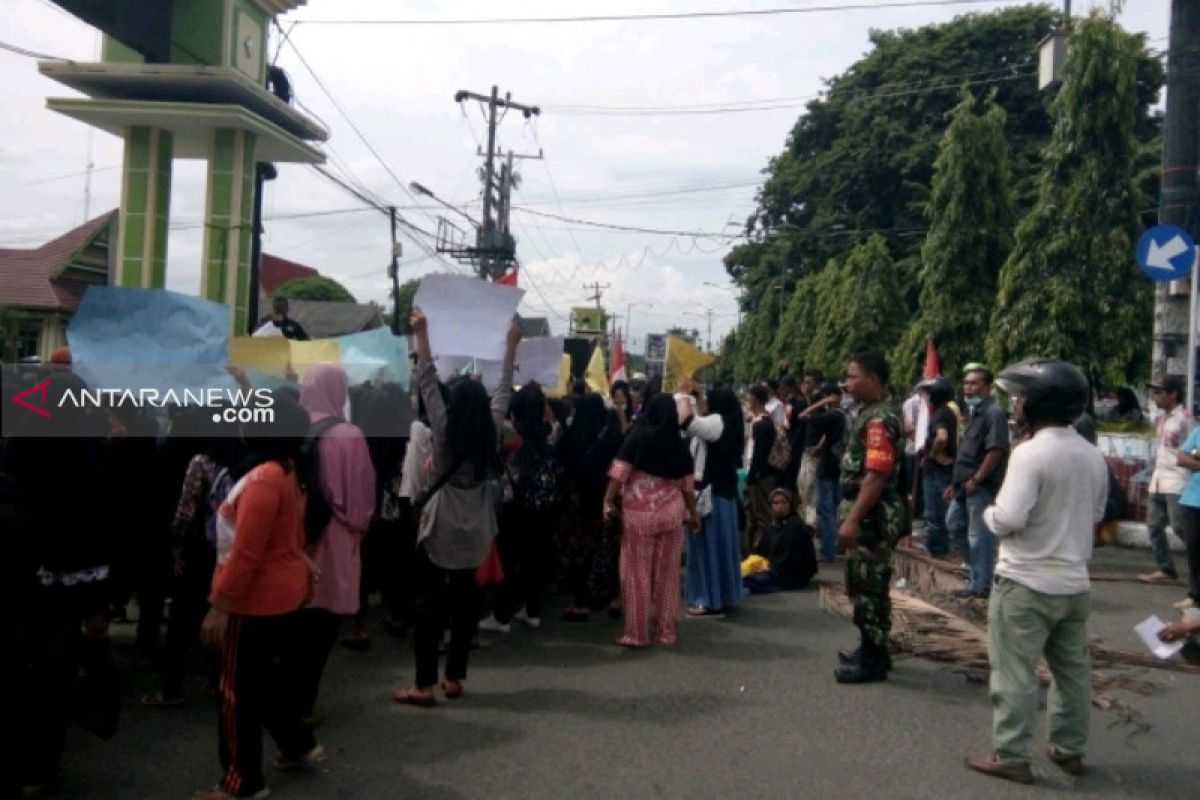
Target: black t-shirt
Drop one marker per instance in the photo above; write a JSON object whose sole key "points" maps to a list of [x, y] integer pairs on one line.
{"points": [[942, 418], [289, 328], [987, 430], [829, 423]]}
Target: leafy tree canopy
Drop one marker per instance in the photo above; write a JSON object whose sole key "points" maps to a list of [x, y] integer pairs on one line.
{"points": [[316, 287]]}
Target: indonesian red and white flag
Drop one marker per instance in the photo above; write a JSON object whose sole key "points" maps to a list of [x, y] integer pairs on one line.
{"points": [[932, 368], [617, 371], [509, 278]]}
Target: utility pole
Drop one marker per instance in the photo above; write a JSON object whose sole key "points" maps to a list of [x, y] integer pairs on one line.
{"points": [[1174, 308], [596, 289], [394, 274], [496, 247]]}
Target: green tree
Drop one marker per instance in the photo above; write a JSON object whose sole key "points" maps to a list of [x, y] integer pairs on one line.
{"points": [[970, 233], [408, 290], [863, 307], [317, 287], [1070, 288]]}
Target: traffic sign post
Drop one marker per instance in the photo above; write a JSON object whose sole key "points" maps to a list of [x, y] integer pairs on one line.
{"points": [[1168, 253]]}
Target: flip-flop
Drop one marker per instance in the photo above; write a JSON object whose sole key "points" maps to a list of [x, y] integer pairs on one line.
{"points": [[452, 689], [412, 696]]}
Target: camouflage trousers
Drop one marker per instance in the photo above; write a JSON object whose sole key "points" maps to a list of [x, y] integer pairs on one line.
{"points": [[868, 582]]}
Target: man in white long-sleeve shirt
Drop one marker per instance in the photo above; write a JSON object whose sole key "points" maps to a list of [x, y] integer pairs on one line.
{"points": [[1044, 517]]}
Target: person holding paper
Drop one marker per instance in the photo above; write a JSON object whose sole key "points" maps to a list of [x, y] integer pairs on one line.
{"points": [[1044, 516], [457, 513]]}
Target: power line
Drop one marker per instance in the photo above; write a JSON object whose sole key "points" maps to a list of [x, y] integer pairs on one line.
{"points": [[631, 228], [371, 148], [651, 112], [21, 51], [774, 100], [760, 12]]}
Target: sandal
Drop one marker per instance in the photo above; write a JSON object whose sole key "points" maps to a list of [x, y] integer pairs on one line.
{"points": [[415, 696], [159, 700], [630, 643], [452, 689]]}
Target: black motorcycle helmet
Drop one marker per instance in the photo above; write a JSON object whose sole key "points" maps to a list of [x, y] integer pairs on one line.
{"points": [[939, 390], [1054, 391]]}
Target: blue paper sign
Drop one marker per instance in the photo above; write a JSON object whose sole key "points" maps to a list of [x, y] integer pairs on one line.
{"points": [[1166, 253]]}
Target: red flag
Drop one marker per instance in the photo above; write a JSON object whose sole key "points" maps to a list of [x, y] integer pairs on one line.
{"points": [[508, 279], [617, 371], [933, 368]]}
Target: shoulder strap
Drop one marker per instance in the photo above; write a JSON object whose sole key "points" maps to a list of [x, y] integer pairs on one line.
{"points": [[423, 498]]}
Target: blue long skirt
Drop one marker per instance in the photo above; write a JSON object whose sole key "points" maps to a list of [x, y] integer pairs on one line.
{"points": [[714, 578]]}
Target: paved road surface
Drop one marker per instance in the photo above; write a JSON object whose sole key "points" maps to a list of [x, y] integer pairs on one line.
{"points": [[745, 707]]}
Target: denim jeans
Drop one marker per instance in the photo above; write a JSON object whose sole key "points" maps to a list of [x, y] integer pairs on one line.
{"points": [[974, 540], [934, 483], [827, 525], [1164, 509]]}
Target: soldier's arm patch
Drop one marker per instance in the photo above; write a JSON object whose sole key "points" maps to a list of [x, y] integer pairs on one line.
{"points": [[881, 454]]}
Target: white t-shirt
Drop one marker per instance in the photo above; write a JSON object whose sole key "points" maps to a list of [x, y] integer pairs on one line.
{"points": [[1170, 431], [1045, 514]]}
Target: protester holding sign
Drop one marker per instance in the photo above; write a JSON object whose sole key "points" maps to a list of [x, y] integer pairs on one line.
{"points": [[458, 512]]}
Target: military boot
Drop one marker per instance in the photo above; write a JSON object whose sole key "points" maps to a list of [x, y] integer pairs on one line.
{"points": [[872, 666], [849, 657]]}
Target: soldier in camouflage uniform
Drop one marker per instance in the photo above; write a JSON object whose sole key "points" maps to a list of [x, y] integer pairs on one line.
{"points": [[873, 515]]}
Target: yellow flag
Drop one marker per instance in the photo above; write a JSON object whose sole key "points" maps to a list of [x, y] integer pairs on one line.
{"points": [[564, 379], [682, 360], [596, 376]]}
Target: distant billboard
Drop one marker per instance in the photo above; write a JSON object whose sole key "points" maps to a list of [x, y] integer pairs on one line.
{"points": [[589, 321], [656, 346]]}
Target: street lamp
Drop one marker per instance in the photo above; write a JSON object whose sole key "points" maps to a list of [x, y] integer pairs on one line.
{"points": [[629, 311], [421, 189], [737, 300], [708, 315]]}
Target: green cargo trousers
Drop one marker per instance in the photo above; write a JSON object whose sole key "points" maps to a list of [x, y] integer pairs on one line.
{"points": [[1024, 625]]}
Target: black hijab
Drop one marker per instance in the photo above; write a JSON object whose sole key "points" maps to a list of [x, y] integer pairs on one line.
{"points": [[656, 446]]}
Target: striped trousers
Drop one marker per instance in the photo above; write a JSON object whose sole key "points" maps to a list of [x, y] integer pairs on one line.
{"points": [[259, 689], [649, 565]]}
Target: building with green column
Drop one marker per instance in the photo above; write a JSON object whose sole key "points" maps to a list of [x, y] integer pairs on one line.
{"points": [[191, 85]]}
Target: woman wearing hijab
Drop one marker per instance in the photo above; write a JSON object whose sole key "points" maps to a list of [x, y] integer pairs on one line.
{"points": [[714, 583], [586, 452], [653, 474], [458, 520], [347, 481]]}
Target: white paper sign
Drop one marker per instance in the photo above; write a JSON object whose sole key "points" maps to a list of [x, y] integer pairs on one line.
{"points": [[1147, 630], [537, 359], [268, 328], [467, 315]]}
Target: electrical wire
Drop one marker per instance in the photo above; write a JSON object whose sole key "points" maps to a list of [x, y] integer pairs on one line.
{"points": [[21, 51], [662, 16], [679, 112], [631, 228]]}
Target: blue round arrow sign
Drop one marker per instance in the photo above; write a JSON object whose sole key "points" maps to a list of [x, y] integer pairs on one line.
{"points": [[1166, 253]]}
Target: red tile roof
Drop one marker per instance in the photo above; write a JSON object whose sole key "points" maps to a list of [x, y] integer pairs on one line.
{"points": [[30, 278], [274, 271]]}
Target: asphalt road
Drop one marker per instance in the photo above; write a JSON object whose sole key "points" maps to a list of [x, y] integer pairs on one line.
{"points": [[744, 707]]}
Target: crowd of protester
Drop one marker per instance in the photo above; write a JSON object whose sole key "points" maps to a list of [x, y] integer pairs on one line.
{"points": [[636, 503]]}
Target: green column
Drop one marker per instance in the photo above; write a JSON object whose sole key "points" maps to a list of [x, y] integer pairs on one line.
{"points": [[229, 213], [145, 208]]}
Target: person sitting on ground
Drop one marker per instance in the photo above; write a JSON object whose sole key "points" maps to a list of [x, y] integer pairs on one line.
{"points": [[784, 557]]}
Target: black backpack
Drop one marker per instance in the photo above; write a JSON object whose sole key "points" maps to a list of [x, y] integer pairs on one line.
{"points": [[317, 511]]}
